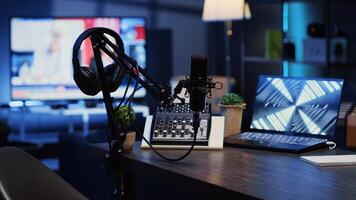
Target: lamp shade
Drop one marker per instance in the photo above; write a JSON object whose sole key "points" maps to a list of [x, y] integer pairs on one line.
{"points": [[223, 10], [247, 13]]}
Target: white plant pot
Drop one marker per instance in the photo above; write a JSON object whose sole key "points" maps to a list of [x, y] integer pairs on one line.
{"points": [[129, 141]]}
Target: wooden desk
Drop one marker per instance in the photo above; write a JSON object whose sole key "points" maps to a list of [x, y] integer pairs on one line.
{"points": [[244, 173]]}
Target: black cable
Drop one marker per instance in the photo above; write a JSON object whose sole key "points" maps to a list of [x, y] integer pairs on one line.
{"points": [[136, 88], [108, 135], [127, 88], [150, 145], [109, 141], [124, 97], [168, 158]]}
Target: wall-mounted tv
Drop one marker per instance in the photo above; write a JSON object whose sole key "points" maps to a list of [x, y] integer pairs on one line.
{"points": [[41, 54]]}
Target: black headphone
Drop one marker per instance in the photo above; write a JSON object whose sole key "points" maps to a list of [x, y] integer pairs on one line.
{"points": [[87, 78]]}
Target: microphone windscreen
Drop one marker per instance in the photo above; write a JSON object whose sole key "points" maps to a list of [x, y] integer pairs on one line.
{"points": [[198, 79], [198, 67]]}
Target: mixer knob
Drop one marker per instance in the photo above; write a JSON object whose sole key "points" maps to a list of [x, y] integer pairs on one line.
{"points": [[155, 133], [182, 133]]}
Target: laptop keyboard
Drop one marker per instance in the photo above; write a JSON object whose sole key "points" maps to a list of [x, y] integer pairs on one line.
{"points": [[278, 138]]}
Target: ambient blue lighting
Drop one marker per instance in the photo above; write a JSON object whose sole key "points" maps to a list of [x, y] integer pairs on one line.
{"points": [[285, 17], [285, 68], [297, 105]]}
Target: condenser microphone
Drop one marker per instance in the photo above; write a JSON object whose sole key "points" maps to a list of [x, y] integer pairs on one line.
{"points": [[198, 83]]}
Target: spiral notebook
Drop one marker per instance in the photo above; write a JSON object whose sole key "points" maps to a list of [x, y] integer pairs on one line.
{"points": [[334, 160]]}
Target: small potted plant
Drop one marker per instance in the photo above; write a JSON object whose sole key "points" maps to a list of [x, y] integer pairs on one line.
{"points": [[125, 116], [232, 106]]}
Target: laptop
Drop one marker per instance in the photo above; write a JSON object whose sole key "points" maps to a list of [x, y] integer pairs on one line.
{"points": [[292, 114]]}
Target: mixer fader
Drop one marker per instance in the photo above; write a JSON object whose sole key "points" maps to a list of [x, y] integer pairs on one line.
{"points": [[173, 125]]}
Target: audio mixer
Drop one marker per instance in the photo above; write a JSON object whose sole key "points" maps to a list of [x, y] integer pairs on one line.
{"points": [[173, 125]]}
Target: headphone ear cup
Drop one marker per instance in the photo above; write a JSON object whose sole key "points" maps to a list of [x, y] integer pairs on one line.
{"points": [[113, 75], [87, 81]]}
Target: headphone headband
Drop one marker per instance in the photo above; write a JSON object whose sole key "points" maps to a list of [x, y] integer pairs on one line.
{"points": [[88, 33]]}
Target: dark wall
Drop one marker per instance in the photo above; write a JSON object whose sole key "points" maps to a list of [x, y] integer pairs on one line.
{"points": [[8, 9], [342, 16], [182, 18], [269, 15], [264, 16], [189, 32], [190, 35]]}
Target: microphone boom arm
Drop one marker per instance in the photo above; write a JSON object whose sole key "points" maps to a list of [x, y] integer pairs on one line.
{"points": [[161, 92]]}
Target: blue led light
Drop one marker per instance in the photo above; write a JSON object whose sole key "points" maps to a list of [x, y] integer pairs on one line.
{"points": [[285, 17], [285, 68]]}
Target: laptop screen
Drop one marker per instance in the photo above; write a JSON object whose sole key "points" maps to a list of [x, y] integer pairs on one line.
{"points": [[298, 105]]}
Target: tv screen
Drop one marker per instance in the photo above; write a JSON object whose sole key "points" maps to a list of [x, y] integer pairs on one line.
{"points": [[297, 105], [41, 55]]}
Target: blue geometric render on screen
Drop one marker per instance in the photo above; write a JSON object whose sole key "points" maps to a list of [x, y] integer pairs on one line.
{"points": [[295, 105]]}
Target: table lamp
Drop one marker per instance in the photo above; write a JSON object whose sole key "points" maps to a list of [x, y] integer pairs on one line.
{"points": [[226, 11]]}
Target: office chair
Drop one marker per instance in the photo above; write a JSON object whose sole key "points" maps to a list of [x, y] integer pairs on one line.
{"points": [[24, 177]]}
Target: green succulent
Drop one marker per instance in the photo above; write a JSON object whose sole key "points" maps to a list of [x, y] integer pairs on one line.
{"points": [[124, 116], [231, 99]]}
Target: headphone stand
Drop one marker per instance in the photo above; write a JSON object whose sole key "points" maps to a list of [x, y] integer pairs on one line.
{"points": [[115, 140]]}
